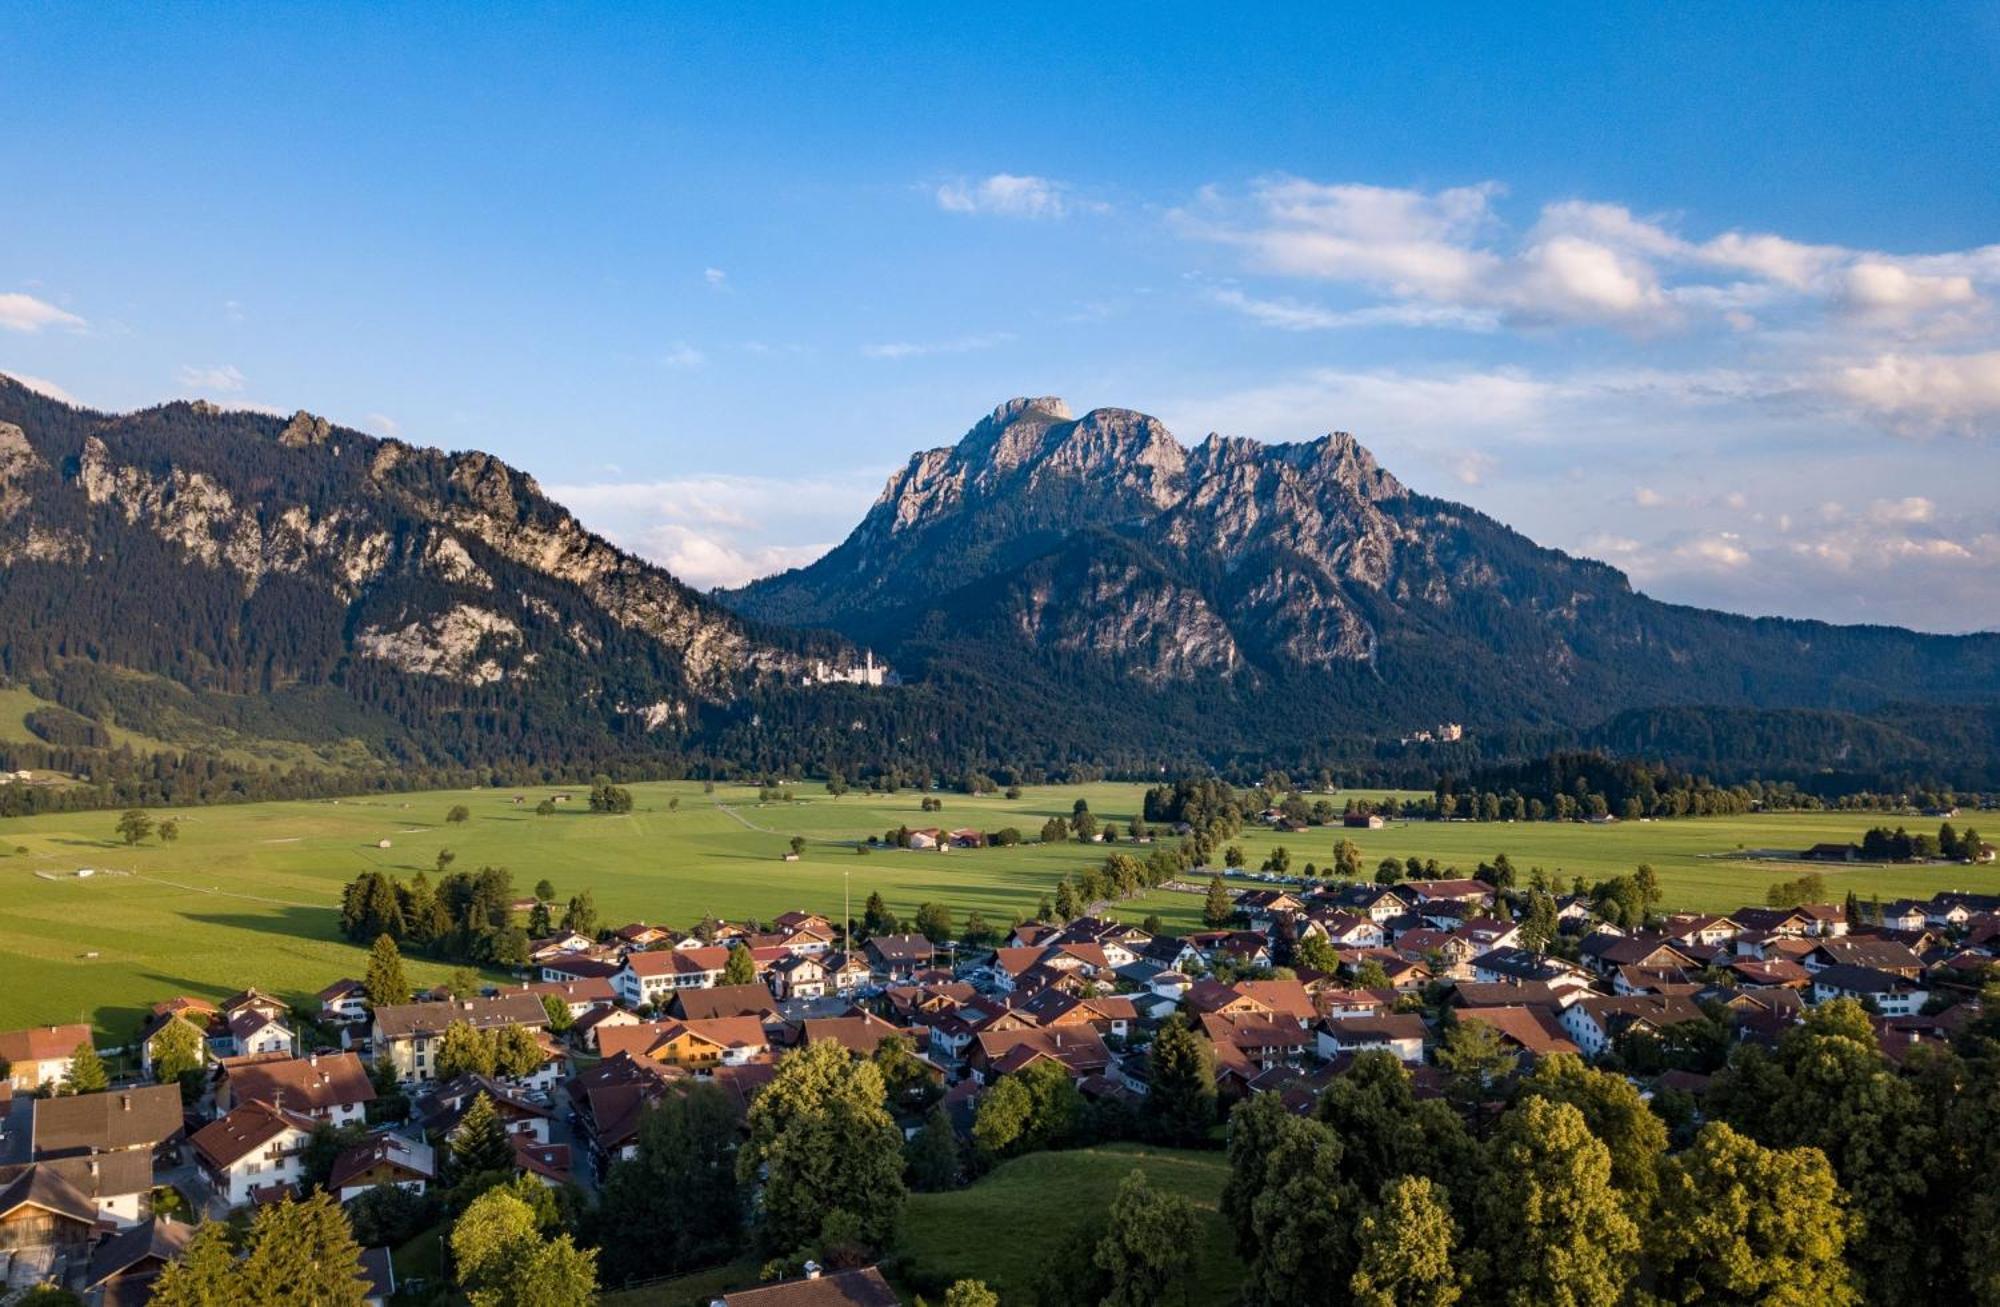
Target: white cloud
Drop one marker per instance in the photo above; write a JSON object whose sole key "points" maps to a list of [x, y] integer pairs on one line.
{"points": [[1919, 392], [1915, 508], [725, 529], [25, 313], [1473, 466], [1647, 497], [1723, 550], [1873, 286], [1013, 195], [1580, 262], [384, 425], [906, 349], [714, 276], [684, 356], [222, 378]]}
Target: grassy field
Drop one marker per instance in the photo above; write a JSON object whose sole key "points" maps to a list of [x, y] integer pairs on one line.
{"points": [[247, 895], [1004, 1229]]}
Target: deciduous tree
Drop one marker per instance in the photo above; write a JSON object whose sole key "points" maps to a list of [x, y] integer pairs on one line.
{"points": [[1407, 1249], [1740, 1223], [823, 1140], [1554, 1229], [1148, 1248]]}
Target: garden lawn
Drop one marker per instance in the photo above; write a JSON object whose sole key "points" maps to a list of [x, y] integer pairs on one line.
{"points": [[1004, 1229]]}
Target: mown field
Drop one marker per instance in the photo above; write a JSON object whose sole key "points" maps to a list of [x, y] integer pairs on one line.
{"points": [[247, 895]]}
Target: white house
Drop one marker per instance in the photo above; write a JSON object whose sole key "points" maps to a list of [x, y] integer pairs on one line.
{"points": [[254, 1147], [1890, 994], [650, 977], [1402, 1033], [254, 1033]]}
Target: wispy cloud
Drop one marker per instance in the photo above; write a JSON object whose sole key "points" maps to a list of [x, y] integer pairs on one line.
{"points": [[683, 356], [42, 386], [24, 313], [905, 349], [1292, 315], [1013, 195], [714, 276], [218, 378]]}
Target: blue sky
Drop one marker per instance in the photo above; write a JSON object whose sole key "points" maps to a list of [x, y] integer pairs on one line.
{"points": [[1707, 293]]}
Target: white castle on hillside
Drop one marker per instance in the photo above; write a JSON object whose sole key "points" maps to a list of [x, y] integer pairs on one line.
{"points": [[869, 673]]}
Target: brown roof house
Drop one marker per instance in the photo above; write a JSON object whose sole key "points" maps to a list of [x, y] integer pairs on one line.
{"points": [[329, 1087], [40, 1055]]}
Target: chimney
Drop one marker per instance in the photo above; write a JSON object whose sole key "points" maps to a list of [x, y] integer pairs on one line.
{"points": [[812, 1270]]}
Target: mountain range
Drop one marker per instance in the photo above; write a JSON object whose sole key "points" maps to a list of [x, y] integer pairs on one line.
{"points": [[1299, 588], [1051, 592]]}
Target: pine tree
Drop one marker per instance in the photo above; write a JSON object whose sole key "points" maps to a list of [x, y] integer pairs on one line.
{"points": [[480, 1144], [87, 1073], [678, 1198], [741, 969], [384, 980]]}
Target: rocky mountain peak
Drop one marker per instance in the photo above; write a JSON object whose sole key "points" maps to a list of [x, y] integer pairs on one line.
{"points": [[1047, 405]]}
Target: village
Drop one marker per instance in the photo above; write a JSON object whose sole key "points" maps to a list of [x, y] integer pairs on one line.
{"points": [[246, 1102]]}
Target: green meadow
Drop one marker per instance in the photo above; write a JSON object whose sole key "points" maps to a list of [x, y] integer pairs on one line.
{"points": [[247, 895]]}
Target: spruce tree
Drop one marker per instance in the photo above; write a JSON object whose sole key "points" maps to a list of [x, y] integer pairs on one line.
{"points": [[87, 1073], [480, 1144], [385, 982], [205, 1273], [303, 1252], [1181, 1102], [1217, 910]]}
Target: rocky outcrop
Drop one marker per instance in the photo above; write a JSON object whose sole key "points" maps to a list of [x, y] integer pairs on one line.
{"points": [[194, 511], [462, 644]]}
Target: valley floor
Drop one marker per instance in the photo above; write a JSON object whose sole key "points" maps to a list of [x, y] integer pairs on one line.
{"points": [[248, 894]]}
